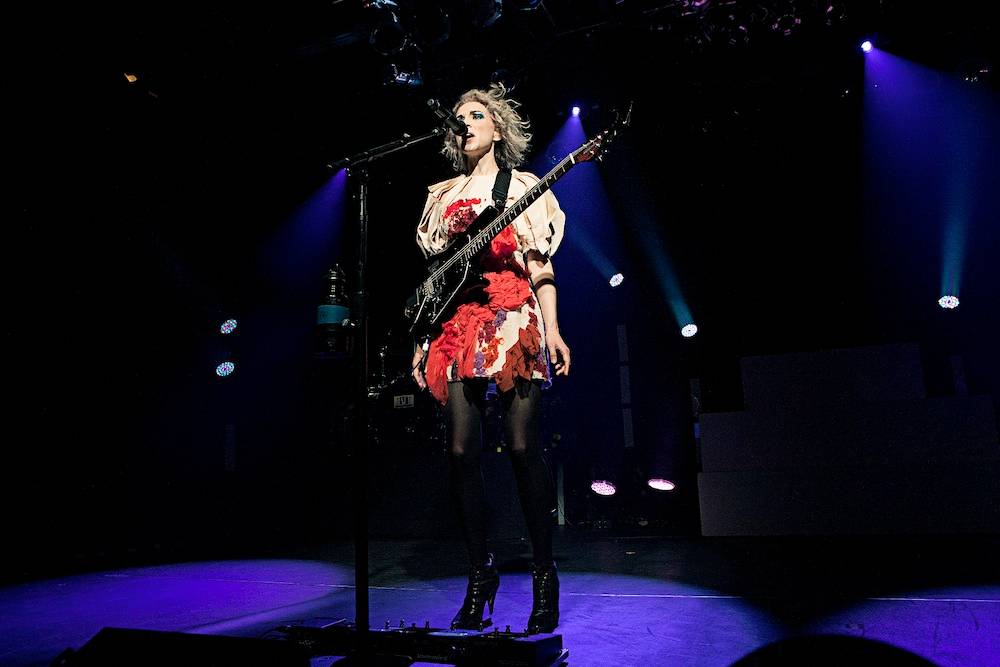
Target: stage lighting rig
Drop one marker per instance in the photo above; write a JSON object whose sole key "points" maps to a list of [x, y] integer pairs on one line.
{"points": [[388, 36]]}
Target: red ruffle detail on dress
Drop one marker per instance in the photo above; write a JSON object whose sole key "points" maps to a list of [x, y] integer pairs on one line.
{"points": [[520, 360], [456, 342], [499, 256], [459, 337], [505, 243], [506, 290]]}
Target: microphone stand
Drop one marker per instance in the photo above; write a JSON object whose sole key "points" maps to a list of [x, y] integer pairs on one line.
{"points": [[357, 165]]}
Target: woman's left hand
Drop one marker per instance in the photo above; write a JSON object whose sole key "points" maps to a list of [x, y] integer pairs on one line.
{"points": [[558, 351]]}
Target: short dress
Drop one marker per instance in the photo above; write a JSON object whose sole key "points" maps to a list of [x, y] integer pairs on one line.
{"points": [[503, 338]]}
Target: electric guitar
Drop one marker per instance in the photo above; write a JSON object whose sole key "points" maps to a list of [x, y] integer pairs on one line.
{"points": [[453, 272]]}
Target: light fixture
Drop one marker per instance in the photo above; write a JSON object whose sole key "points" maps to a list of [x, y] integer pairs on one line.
{"points": [[660, 484], [603, 487], [404, 77], [388, 36], [948, 302]]}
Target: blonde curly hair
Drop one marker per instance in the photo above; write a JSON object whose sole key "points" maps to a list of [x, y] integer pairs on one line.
{"points": [[514, 136]]}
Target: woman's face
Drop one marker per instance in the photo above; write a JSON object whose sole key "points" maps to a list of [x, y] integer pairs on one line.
{"points": [[481, 134]]}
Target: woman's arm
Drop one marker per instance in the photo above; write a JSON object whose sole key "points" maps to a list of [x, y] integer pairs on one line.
{"points": [[544, 280], [417, 370]]}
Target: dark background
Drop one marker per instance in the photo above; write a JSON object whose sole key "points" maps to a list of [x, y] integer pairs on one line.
{"points": [[145, 214]]}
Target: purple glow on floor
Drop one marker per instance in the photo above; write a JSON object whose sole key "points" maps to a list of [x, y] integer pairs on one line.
{"points": [[605, 617], [43, 618], [949, 626]]}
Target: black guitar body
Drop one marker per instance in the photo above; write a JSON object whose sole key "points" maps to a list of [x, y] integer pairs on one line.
{"points": [[460, 281]]}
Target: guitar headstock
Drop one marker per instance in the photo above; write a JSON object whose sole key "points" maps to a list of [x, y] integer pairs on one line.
{"points": [[601, 144]]}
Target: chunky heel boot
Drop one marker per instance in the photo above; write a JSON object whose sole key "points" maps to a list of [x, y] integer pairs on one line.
{"points": [[545, 599], [484, 581]]}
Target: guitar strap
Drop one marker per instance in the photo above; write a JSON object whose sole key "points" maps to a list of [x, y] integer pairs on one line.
{"points": [[500, 187]]}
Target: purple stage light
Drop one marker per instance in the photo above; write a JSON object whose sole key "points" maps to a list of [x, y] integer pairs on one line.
{"points": [[576, 111], [661, 484], [867, 46], [616, 280], [948, 301], [228, 327], [225, 368], [602, 487]]}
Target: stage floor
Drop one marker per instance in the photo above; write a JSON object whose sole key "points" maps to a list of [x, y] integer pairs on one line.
{"points": [[625, 601]]}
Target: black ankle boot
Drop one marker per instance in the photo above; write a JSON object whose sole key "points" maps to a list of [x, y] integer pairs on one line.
{"points": [[484, 580], [545, 599]]}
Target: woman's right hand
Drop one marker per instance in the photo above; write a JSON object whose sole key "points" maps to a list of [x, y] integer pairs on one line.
{"points": [[418, 371]]}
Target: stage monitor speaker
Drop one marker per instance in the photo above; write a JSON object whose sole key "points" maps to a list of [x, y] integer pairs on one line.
{"points": [[142, 648]]}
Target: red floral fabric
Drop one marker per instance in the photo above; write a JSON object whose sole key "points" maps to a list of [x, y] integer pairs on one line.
{"points": [[460, 214]]}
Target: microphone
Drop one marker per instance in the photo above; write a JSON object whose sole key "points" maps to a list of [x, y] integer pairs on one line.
{"points": [[449, 119]]}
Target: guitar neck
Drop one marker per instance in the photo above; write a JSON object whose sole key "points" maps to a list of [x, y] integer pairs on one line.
{"points": [[489, 232]]}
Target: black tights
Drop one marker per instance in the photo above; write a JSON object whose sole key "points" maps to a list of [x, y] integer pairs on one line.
{"points": [[522, 405]]}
